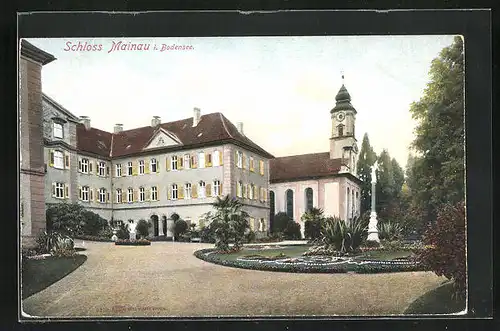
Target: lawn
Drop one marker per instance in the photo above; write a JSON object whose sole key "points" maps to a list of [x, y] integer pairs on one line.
{"points": [[39, 274], [437, 301]]}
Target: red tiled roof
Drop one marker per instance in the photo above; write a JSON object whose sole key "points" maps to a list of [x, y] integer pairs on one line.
{"points": [[304, 166], [211, 128]]}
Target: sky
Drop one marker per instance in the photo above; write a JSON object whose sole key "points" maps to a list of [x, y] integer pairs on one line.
{"points": [[281, 88]]}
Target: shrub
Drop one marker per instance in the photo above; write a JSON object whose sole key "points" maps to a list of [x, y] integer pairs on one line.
{"points": [[280, 222], [207, 235], [312, 223], [52, 242], [93, 223], [175, 217], [180, 227], [444, 252], [105, 233], [73, 219], [250, 236], [343, 237], [142, 228], [372, 243], [123, 231], [292, 231], [390, 231], [137, 242]]}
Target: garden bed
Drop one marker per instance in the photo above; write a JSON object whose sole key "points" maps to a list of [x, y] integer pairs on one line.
{"points": [[138, 242], [290, 259], [93, 238]]}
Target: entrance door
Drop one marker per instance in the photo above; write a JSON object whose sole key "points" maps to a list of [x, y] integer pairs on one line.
{"points": [[155, 220]]}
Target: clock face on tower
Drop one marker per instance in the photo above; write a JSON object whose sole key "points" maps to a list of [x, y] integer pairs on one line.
{"points": [[340, 116]]}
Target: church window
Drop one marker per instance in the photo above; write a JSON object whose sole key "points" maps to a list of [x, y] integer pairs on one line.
{"points": [[289, 203], [340, 130], [309, 198]]}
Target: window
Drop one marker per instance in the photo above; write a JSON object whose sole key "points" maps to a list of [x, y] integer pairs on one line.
{"points": [[141, 167], [102, 168], [174, 192], [216, 159], [187, 161], [58, 130], [340, 130], [261, 167], [118, 195], [59, 190], [173, 162], [251, 164], [252, 191], [201, 160], [102, 195], [239, 190], [129, 169], [130, 195], [201, 191], [271, 204], [187, 189], [118, 170], [84, 166], [309, 198], [217, 190], [142, 194], [58, 159], [131, 221], [153, 165], [154, 193], [289, 203], [239, 159], [357, 202], [209, 159], [85, 193]]}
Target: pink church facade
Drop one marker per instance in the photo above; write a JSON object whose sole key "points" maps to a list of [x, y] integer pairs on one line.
{"points": [[327, 180]]}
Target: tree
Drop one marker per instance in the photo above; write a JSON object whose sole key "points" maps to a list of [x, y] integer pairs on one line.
{"points": [[399, 177], [142, 228], [180, 227], [366, 160], [438, 169], [73, 219], [229, 222], [386, 188], [312, 223], [280, 222]]}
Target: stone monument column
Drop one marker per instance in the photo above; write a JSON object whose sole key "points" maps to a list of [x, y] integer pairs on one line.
{"points": [[372, 225], [170, 227], [160, 227], [132, 231]]}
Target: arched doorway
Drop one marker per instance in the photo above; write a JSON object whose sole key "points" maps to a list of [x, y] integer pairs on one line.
{"points": [[155, 221], [289, 203]]}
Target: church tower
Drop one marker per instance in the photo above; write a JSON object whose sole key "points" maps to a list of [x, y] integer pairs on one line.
{"points": [[343, 143]]}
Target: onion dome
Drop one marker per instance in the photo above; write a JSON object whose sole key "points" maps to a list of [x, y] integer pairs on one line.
{"points": [[343, 101]]}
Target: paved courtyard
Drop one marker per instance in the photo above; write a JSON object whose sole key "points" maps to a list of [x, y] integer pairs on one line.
{"points": [[165, 279]]}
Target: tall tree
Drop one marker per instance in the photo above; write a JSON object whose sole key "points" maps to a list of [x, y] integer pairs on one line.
{"points": [[366, 159], [399, 177], [438, 169], [385, 184]]}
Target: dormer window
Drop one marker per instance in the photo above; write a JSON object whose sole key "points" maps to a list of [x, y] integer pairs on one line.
{"points": [[58, 130]]}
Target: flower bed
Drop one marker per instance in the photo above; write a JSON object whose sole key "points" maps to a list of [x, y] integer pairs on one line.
{"points": [[138, 242], [93, 238], [310, 264]]}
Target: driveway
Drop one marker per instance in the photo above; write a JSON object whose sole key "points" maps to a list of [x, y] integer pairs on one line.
{"points": [[165, 279]]}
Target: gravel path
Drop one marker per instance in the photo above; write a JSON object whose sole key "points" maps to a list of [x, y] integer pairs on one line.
{"points": [[165, 279]]}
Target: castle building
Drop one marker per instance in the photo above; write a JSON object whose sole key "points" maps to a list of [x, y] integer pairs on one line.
{"points": [[321, 180], [155, 171]]}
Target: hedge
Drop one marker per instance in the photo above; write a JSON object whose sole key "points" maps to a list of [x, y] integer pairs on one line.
{"points": [[370, 267], [93, 238], [138, 242]]}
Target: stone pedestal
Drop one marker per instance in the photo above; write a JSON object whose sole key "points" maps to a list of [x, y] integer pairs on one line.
{"points": [[372, 227], [160, 228], [170, 228]]}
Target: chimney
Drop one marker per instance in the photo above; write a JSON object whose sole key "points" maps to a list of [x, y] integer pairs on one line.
{"points": [[118, 128], [240, 127], [196, 116], [155, 121], [86, 121]]}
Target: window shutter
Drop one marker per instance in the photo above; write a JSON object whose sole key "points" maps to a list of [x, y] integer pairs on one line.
{"points": [[180, 192], [194, 191], [221, 158], [180, 162], [134, 168], [108, 196], [97, 168], [79, 192], [134, 195], [147, 194], [167, 161], [96, 195], [207, 164], [193, 161], [238, 193], [220, 189], [244, 161], [66, 160], [157, 165], [113, 196], [107, 170], [53, 189], [208, 189], [91, 193], [79, 165], [236, 158], [146, 167], [261, 167], [51, 158], [169, 193], [90, 166], [66, 191]]}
